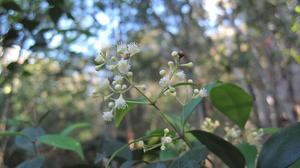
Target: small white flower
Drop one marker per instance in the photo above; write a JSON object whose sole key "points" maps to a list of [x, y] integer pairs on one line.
{"points": [[104, 83], [100, 58], [120, 103], [123, 66], [203, 92], [133, 49], [108, 116], [118, 78], [164, 81], [140, 144], [130, 49], [180, 75], [163, 147], [166, 140]]}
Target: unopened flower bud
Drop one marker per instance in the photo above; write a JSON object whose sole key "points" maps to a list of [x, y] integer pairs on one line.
{"points": [[175, 54], [196, 91], [124, 87], [111, 104], [190, 81], [129, 74], [118, 86], [99, 67], [166, 131], [171, 64], [113, 59], [162, 72]]}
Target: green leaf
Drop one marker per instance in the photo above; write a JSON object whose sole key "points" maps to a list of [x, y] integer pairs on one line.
{"points": [[11, 5], [131, 103], [168, 153], [296, 164], [72, 127], [32, 133], [174, 119], [250, 153], [112, 145], [190, 159], [232, 101], [190, 107], [12, 134], [33, 163], [270, 130], [281, 149], [230, 155], [62, 142], [130, 163]]}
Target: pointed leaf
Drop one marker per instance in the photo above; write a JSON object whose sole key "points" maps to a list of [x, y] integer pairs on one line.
{"points": [[33, 163], [250, 153], [190, 107], [10, 133], [131, 103], [223, 149], [281, 149], [111, 145], [62, 142], [31, 135], [72, 127], [232, 101]]}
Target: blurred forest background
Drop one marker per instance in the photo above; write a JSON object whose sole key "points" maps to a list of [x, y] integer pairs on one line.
{"points": [[47, 49]]}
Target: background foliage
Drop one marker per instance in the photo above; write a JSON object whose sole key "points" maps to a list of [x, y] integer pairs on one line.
{"points": [[47, 76]]}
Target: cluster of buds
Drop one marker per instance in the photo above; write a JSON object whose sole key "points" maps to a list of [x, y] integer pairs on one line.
{"points": [[173, 73], [116, 61], [233, 133], [255, 136], [165, 139], [209, 125]]}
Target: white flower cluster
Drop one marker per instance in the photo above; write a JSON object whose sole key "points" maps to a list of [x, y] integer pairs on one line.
{"points": [[174, 73], [165, 139], [234, 133], [209, 125], [116, 60]]}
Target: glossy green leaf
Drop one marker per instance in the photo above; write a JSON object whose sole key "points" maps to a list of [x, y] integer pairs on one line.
{"points": [[230, 155], [190, 159], [72, 127], [63, 142], [12, 134], [250, 153], [232, 101], [131, 103], [281, 149], [33, 163]]}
